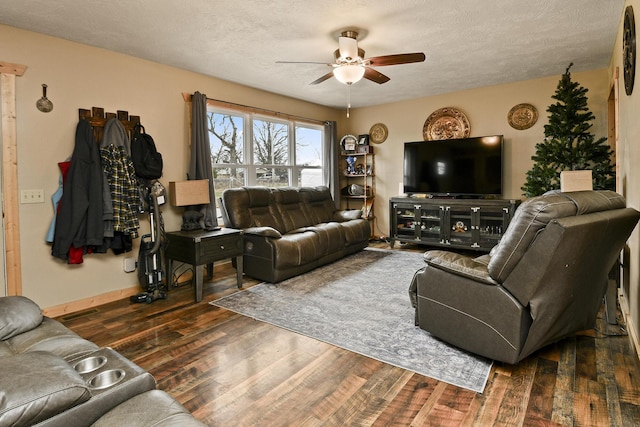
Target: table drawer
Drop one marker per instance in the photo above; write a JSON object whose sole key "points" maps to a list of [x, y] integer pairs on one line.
{"points": [[220, 247]]}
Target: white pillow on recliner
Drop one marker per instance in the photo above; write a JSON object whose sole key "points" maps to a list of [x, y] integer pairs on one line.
{"points": [[17, 315]]}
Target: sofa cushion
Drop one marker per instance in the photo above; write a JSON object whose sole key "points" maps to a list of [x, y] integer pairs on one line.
{"points": [[331, 237], [53, 337], [250, 207], [290, 208], [319, 205], [152, 408], [17, 315], [36, 386], [295, 249], [356, 231], [462, 265]]}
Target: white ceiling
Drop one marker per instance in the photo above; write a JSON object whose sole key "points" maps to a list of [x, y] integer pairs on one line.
{"points": [[467, 43]]}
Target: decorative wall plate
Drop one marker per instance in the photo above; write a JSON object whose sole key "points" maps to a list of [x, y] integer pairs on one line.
{"points": [[378, 133], [446, 123], [522, 116], [629, 50]]}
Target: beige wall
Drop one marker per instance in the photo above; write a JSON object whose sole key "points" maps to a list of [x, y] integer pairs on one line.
{"points": [[487, 109], [629, 158], [81, 76]]}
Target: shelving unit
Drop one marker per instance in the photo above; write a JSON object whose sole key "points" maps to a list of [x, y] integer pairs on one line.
{"points": [[475, 224], [358, 185]]}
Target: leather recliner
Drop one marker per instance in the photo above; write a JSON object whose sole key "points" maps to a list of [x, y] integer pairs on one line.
{"points": [[544, 281]]}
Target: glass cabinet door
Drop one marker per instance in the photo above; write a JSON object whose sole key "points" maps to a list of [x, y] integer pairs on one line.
{"points": [[460, 226], [431, 218], [492, 223], [405, 221]]}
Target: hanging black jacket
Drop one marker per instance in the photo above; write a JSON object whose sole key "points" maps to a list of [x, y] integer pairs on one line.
{"points": [[79, 222]]}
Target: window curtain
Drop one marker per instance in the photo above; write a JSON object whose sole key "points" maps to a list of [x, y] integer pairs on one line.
{"points": [[330, 161], [200, 163]]}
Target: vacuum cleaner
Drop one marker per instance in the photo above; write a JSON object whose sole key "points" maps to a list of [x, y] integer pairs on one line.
{"points": [[150, 272]]}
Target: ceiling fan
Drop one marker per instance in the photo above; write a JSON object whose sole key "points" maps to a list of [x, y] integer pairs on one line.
{"points": [[351, 64]]}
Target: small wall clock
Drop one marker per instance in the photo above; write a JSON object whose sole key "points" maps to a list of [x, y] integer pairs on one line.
{"points": [[629, 50]]}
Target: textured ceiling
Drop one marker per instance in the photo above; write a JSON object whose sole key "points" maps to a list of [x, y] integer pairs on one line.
{"points": [[467, 43]]}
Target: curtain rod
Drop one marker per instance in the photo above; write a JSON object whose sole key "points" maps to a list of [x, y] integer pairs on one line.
{"points": [[249, 109]]}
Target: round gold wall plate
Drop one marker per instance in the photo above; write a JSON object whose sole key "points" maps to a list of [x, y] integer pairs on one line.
{"points": [[378, 133], [522, 116], [446, 123]]}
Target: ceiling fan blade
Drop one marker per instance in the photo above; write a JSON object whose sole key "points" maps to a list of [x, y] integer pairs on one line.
{"points": [[401, 58], [303, 62], [348, 48], [323, 78], [375, 76]]}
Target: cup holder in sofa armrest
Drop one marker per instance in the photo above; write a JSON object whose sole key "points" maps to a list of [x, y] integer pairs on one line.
{"points": [[89, 364], [106, 379], [111, 379]]}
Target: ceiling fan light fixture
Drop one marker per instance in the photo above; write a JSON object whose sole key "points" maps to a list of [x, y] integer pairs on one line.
{"points": [[348, 74]]}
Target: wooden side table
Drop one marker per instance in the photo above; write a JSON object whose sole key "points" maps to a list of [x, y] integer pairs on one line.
{"points": [[202, 247]]}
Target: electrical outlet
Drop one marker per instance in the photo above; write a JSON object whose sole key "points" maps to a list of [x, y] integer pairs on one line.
{"points": [[32, 196], [129, 265]]}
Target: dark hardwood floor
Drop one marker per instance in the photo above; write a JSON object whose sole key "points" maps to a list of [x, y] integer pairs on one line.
{"points": [[229, 370]]}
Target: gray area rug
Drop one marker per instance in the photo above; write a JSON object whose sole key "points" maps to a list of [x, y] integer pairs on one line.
{"points": [[361, 303]]}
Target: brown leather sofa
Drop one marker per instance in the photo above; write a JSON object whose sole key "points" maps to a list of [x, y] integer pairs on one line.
{"points": [[289, 231], [50, 376], [544, 281]]}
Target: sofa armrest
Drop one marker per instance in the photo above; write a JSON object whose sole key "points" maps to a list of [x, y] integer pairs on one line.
{"points": [[17, 315], [461, 265], [347, 215], [36, 386], [152, 408], [263, 231]]}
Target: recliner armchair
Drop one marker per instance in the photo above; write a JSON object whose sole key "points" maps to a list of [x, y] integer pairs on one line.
{"points": [[544, 281]]}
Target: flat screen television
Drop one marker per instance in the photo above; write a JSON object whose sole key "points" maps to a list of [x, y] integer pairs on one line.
{"points": [[454, 167]]}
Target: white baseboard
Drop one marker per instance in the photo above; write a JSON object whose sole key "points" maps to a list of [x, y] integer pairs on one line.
{"points": [[631, 330]]}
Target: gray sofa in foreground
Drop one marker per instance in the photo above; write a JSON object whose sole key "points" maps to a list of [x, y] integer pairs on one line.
{"points": [[50, 376], [544, 281], [289, 231]]}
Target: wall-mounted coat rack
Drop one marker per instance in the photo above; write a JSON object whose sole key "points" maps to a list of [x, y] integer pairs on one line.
{"points": [[98, 118]]}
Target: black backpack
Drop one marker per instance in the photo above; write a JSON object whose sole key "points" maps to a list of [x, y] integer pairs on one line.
{"points": [[147, 162]]}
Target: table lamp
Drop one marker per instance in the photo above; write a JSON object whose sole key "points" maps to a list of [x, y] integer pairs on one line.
{"points": [[190, 194]]}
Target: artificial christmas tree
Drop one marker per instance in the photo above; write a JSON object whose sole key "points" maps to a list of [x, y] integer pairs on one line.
{"points": [[568, 144]]}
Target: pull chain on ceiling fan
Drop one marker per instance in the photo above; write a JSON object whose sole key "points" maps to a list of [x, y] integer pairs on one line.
{"points": [[351, 65]]}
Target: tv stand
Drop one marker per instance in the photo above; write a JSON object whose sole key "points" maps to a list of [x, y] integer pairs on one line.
{"points": [[448, 196], [474, 224]]}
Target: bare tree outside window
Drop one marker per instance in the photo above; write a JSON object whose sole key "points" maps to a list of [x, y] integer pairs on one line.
{"points": [[271, 148], [278, 152], [309, 156], [226, 139]]}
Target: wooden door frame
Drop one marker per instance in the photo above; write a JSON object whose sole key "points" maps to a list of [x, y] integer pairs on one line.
{"points": [[613, 119], [11, 220]]}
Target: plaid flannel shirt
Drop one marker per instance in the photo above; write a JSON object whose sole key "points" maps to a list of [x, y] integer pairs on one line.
{"points": [[119, 172]]}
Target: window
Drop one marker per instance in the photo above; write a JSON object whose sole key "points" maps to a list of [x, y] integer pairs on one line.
{"points": [[252, 149]]}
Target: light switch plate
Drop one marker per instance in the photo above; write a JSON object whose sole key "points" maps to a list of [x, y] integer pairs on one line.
{"points": [[32, 196]]}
